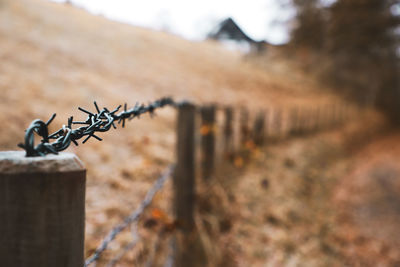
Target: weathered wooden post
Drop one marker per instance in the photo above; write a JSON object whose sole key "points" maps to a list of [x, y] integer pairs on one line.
{"points": [[323, 118], [267, 127], [278, 122], [317, 119], [207, 131], [258, 129], [332, 122], [42, 210], [244, 126], [333, 115], [343, 113], [307, 120], [184, 185], [294, 120], [336, 111], [304, 121], [228, 133]]}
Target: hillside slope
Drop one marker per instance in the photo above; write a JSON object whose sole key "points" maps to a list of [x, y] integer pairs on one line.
{"points": [[55, 57]]}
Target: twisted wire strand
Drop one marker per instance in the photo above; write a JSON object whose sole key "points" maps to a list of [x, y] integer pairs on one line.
{"points": [[126, 248], [99, 121], [134, 217]]}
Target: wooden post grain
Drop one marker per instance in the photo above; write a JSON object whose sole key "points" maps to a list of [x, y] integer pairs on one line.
{"points": [[184, 175], [207, 141], [184, 185], [42, 210], [228, 133]]}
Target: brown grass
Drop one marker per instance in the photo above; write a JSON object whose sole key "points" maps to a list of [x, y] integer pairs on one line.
{"points": [[55, 57]]}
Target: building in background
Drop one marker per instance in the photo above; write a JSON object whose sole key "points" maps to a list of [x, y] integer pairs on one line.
{"points": [[231, 35]]}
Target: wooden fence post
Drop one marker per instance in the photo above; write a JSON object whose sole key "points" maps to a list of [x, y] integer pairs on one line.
{"points": [[244, 126], [317, 119], [307, 120], [258, 129], [42, 210], [207, 141], [228, 133], [323, 118], [278, 123], [294, 120], [184, 184], [267, 127]]}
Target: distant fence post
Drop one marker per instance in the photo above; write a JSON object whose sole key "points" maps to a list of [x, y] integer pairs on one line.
{"points": [[42, 210], [184, 184], [317, 119], [267, 126], [259, 128], [307, 121], [278, 123], [207, 141], [294, 120], [228, 133], [244, 126]]}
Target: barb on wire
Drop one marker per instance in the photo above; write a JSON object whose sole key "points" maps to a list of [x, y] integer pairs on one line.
{"points": [[134, 217], [99, 121]]}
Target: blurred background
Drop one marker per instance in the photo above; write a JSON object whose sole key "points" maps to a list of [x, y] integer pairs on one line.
{"points": [[331, 198]]}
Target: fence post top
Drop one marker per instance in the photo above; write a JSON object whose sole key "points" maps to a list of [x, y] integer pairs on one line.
{"points": [[16, 162], [186, 104], [209, 106]]}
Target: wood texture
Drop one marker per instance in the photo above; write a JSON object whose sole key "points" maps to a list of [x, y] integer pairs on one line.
{"points": [[184, 176], [42, 211], [184, 188]]}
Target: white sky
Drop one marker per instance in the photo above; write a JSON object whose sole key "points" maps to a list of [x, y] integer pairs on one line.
{"points": [[193, 19]]}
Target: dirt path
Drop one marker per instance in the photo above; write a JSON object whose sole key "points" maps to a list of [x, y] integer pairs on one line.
{"points": [[310, 202], [369, 198]]}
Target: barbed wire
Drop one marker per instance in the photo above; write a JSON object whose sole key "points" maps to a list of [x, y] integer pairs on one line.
{"points": [[126, 248], [134, 217], [99, 121]]}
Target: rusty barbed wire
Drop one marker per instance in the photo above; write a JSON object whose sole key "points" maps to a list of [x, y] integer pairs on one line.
{"points": [[99, 121], [134, 217]]}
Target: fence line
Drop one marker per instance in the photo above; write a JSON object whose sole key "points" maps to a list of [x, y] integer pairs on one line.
{"points": [[258, 130]]}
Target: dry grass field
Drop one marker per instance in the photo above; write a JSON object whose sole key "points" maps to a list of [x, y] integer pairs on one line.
{"points": [[56, 57]]}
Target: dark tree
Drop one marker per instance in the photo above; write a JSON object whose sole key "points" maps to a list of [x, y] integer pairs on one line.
{"points": [[309, 24], [362, 43], [358, 41]]}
